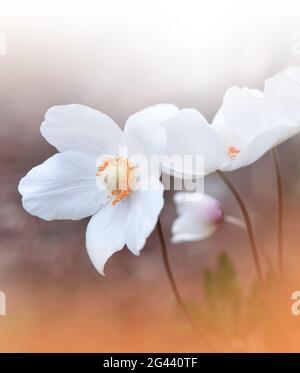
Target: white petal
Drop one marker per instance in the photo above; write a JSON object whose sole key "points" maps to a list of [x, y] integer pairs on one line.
{"points": [[143, 131], [254, 92], [82, 129], [229, 138], [189, 134], [207, 207], [189, 227], [145, 207], [218, 120], [106, 232], [199, 216], [260, 145], [63, 187], [245, 113], [282, 96], [293, 73], [219, 117]]}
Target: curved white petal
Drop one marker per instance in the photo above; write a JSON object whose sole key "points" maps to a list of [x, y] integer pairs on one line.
{"points": [[254, 92], [189, 134], [282, 96], [218, 120], [63, 187], [245, 113], [145, 206], [259, 146], [207, 207], [199, 215], [190, 227], [82, 129], [229, 138], [293, 73], [106, 233], [143, 131]]}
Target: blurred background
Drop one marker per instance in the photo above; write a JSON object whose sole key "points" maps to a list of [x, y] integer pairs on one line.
{"points": [[119, 56]]}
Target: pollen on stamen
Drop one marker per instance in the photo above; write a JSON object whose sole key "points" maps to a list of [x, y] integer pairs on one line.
{"points": [[233, 152], [102, 167], [116, 174]]}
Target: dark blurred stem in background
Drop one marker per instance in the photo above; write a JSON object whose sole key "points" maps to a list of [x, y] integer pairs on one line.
{"points": [[245, 213], [174, 287], [275, 158]]}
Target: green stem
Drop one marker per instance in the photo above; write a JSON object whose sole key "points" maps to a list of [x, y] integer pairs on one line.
{"points": [[245, 213], [174, 286], [279, 212]]}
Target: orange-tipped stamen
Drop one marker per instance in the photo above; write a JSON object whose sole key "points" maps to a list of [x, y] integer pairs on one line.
{"points": [[233, 152], [116, 175]]}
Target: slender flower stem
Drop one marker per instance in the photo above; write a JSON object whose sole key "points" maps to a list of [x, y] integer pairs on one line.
{"points": [[279, 212], [175, 287], [245, 213]]}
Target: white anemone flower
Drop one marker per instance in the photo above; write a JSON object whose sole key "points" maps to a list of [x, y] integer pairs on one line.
{"points": [[199, 216], [248, 124], [89, 176]]}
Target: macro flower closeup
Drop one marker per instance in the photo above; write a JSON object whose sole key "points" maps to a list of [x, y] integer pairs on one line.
{"points": [[90, 177], [248, 124]]}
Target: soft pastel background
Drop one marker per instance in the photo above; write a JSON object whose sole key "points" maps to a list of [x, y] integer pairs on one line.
{"points": [[120, 56]]}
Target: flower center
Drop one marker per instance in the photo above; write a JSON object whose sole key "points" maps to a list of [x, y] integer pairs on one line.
{"points": [[117, 174], [233, 151]]}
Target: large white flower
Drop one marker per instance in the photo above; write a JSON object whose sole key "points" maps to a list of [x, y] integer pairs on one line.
{"points": [[248, 124], [198, 217], [89, 176]]}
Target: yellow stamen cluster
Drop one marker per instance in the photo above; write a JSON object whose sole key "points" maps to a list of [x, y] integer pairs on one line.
{"points": [[117, 175], [233, 152]]}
